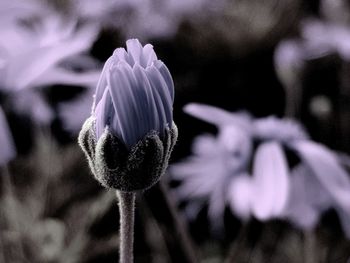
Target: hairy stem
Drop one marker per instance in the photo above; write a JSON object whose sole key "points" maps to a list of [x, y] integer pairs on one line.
{"points": [[126, 210]]}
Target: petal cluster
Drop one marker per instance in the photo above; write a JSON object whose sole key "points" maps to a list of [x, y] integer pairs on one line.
{"points": [[134, 95]]}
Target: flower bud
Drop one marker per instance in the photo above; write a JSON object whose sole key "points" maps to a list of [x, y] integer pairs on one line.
{"points": [[131, 133]]}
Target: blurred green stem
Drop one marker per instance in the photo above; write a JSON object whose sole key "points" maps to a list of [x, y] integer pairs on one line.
{"points": [[12, 216], [127, 215], [310, 249], [174, 230], [238, 244]]}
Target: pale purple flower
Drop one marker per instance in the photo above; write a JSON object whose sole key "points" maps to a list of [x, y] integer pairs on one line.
{"points": [[318, 39], [271, 189], [37, 46], [335, 37], [214, 163], [31, 56], [134, 95], [12, 10]]}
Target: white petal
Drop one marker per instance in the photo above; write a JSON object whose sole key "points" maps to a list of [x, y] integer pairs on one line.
{"points": [[271, 180], [134, 48], [240, 195], [237, 145], [273, 128], [102, 82], [148, 56], [204, 145], [31, 65], [164, 71], [120, 54], [151, 113], [217, 116], [302, 208], [103, 113], [327, 170], [160, 117], [123, 102], [65, 77], [161, 88]]}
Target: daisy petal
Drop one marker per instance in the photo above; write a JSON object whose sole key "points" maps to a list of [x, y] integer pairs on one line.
{"points": [[216, 115], [271, 180], [327, 170]]}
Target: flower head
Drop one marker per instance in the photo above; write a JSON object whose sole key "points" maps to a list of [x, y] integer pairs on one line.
{"points": [[134, 95], [129, 137]]}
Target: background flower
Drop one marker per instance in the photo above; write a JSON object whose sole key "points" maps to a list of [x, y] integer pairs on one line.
{"points": [[272, 190], [39, 48]]}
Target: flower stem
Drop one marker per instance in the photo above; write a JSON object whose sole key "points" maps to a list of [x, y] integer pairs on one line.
{"points": [[126, 210], [177, 239], [310, 247]]}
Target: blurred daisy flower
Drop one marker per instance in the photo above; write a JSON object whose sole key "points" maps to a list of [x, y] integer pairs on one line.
{"points": [[215, 161], [39, 47], [318, 39], [247, 167]]}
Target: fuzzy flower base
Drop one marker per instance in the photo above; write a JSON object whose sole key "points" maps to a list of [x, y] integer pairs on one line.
{"points": [[114, 166]]}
